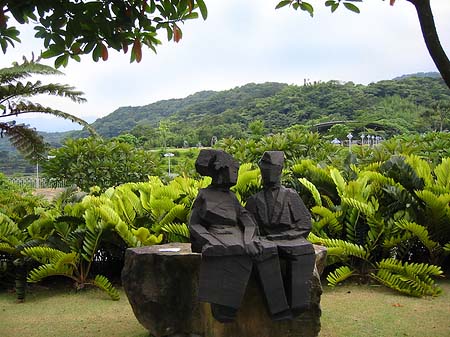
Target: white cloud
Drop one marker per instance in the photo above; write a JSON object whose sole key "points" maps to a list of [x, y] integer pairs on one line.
{"points": [[250, 41]]}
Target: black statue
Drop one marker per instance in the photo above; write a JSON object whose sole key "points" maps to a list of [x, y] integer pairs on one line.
{"points": [[284, 222], [225, 233]]}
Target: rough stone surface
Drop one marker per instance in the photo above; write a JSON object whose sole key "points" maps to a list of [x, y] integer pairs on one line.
{"points": [[162, 288]]}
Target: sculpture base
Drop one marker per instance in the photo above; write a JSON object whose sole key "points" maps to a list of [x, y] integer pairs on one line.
{"points": [[162, 288]]}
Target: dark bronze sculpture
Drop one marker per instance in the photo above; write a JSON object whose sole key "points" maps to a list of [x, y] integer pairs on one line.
{"points": [[284, 222], [225, 233], [227, 236]]}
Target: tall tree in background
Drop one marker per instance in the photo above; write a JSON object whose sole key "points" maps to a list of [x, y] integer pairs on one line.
{"points": [[14, 102], [426, 21]]}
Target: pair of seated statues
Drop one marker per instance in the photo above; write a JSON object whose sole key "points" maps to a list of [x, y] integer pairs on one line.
{"points": [[268, 235]]}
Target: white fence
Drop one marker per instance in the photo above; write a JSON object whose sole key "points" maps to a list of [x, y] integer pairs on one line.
{"points": [[40, 182]]}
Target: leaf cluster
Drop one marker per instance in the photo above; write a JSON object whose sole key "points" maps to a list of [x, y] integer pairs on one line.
{"points": [[70, 29]]}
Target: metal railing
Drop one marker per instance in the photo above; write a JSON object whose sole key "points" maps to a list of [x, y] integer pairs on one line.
{"points": [[41, 182]]}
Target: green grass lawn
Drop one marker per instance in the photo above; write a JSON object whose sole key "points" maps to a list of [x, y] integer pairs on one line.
{"points": [[347, 311]]}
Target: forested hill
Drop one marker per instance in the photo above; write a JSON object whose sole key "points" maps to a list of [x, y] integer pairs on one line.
{"points": [[406, 104], [204, 103]]}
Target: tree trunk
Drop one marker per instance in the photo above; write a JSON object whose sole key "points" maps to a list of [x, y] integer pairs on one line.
{"points": [[432, 39]]}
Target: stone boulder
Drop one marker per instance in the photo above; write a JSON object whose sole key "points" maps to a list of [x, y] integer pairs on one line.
{"points": [[161, 283]]}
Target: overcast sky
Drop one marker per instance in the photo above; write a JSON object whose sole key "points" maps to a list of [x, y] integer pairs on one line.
{"points": [[246, 41]]}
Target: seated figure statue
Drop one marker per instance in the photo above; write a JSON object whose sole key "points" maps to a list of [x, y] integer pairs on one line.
{"points": [[225, 233], [284, 222]]}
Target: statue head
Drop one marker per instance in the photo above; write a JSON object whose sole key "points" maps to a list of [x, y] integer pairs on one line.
{"points": [[219, 165], [271, 166]]}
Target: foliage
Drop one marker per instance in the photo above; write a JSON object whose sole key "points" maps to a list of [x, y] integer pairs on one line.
{"points": [[232, 113], [79, 231], [295, 143], [13, 102], [73, 28], [95, 162], [389, 221]]}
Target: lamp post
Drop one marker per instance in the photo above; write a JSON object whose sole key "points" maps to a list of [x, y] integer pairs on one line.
{"points": [[350, 136], [169, 155], [213, 141], [37, 173], [362, 138]]}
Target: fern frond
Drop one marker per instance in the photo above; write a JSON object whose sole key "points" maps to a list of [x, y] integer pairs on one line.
{"points": [[7, 248], [46, 270], [103, 283], [313, 189], [442, 172], [343, 247], [176, 232], [338, 181], [126, 234], [420, 232], [339, 275], [109, 216], [44, 255], [25, 139], [447, 248], [414, 279], [160, 207], [328, 201], [364, 207], [394, 241], [178, 212], [90, 244], [328, 218], [421, 167]]}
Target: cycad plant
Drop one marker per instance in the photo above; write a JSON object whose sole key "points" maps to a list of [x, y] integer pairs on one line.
{"points": [[365, 236]]}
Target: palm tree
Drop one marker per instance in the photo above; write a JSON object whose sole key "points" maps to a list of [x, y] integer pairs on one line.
{"points": [[13, 102]]}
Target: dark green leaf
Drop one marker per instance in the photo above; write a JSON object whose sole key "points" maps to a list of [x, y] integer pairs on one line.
{"points": [[351, 7], [203, 9], [307, 7], [283, 3], [192, 15], [51, 52]]}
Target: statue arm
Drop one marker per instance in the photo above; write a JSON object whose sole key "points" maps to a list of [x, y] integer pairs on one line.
{"points": [[251, 242], [201, 238], [300, 215]]}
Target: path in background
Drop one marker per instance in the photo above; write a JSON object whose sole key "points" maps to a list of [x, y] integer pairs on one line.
{"points": [[48, 193]]}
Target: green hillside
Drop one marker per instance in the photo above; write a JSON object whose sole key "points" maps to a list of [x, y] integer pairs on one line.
{"points": [[403, 105], [414, 103]]}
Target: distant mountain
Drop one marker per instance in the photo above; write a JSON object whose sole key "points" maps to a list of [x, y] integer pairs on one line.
{"points": [[404, 104], [432, 74], [228, 113], [186, 110]]}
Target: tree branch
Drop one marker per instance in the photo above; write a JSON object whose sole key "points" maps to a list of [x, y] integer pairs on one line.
{"points": [[431, 38]]}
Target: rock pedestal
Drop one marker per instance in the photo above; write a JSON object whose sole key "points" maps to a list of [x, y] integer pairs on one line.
{"points": [[161, 283]]}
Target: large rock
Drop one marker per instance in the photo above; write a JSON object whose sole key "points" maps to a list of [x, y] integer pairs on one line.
{"points": [[161, 283]]}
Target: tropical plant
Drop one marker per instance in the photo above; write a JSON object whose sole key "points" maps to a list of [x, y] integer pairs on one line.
{"points": [[13, 102], [295, 144], [18, 230], [84, 233], [371, 233]]}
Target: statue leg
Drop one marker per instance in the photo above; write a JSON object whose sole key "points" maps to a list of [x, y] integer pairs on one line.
{"points": [[269, 273], [299, 270], [300, 261], [223, 280]]}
